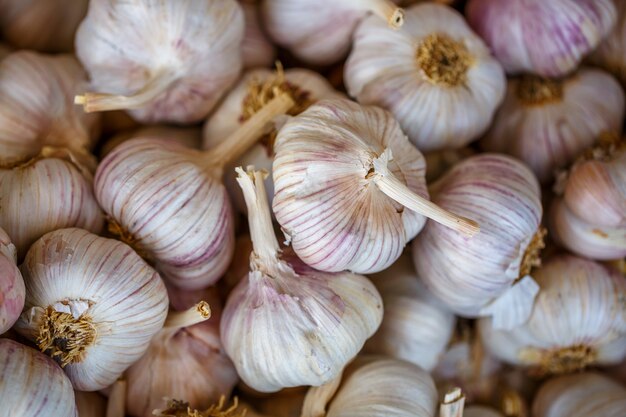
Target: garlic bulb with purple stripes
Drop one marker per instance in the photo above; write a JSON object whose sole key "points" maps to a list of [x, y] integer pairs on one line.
{"points": [[350, 189], [547, 38], [256, 49], [286, 324], [489, 274], [611, 54], [12, 290]]}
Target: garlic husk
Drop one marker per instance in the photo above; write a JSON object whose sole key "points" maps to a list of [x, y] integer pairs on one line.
{"points": [[432, 71], [544, 38], [190, 137], [578, 320], [90, 404], [256, 48], [320, 32], [37, 107], [162, 61], [353, 166], [480, 411], [611, 54], [12, 290], [184, 360], [547, 123], [487, 275], [313, 323], [91, 303], [32, 384], [580, 395]]}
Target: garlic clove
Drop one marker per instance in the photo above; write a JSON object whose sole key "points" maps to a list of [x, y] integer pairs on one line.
{"points": [[611, 54], [256, 48], [513, 306], [12, 290], [189, 137]]}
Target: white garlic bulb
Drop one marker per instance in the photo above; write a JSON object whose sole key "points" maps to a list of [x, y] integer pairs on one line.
{"points": [[191, 137], [343, 175], [90, 404], [32, 384], [544, 38], [12, 290], [91, 303], [579, 319], [320, 32], [164, 61], [547, 123], [487, 275], [416, 327], [580, 395], [256, 49], [435, 75], [286, 324], [611, 54]]}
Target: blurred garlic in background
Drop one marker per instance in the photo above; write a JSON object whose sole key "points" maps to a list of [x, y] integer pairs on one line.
{"points": [[190, 137], [611, 54], [547, 123], [12, 290], [256, 48], [90, 404], [435, 75], [547, 38]]}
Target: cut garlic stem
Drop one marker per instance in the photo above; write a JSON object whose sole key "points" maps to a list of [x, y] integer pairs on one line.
{"points": [[453, 403], [117, 399], [386, 9], [94, 102], [395, 189], [194, 315]]}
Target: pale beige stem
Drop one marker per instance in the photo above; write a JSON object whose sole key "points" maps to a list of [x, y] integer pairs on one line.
{"points": [[194, 315], [385, 9], [117, 400], [453, 403]]}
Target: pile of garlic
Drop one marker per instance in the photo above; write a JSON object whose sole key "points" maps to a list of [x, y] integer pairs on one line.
{"points": [[312, 208]]}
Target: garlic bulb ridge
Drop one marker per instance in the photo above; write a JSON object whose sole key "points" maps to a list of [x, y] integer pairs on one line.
{"points": [[12, 290], [256, 49]]}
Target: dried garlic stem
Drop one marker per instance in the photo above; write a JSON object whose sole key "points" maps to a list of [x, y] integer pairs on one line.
{"points": [[93, 102], [194, 315], [178, 408], [453, 404], [533, 90], [532, 255], [117, 399], [394, 188], [386, 9]]}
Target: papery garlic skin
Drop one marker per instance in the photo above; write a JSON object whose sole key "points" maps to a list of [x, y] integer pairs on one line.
{"points": [[190, 137], [439, 106], [544, 38], [579, 319], [184, 55], [32, 384], [548, 123], [12, 290], [580, 395], [101, 283], [90, 404], [256, 48], [611, 54]]}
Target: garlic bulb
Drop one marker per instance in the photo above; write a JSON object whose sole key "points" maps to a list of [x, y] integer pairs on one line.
{"points": [[184, 360], [256, 49], [12, 290], [190, 137], [253, 91], [343, 175], [32, 384], [580, 395], [611, 54], [579, 319], [167, 201], [164, 61], [487, 275], [415, 327], [90, 404], [549, 122], [435, 75], [91, 303], [480, 411], [312, 323], [544, 38]]}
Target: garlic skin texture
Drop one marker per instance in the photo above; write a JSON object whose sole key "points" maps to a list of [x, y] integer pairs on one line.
{"points": [[310, 322], [90, 404], [173, 66], [611, 54], [92, 303], [548, 123], [256, 48], [487, 275], [190, 137], [578, 320], [580, 395], [12, 290], [544, 38], [33, 385], [439, 106]]}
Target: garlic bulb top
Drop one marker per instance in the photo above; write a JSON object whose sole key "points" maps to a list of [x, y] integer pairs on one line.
{"points": [[320, 32], [163, 61], [286, 324], [91, 303], [32, 384], [547, 123], [191, 137], [580, 395], [544, 38], [611, 54], [12, 290], [579, 319], [256, 49], [487, 275], [435, 75], [343, 175]]}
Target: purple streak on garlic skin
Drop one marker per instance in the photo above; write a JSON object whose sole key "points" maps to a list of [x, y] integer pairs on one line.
{"points": [[12, 290], [256, 49], [547, 38]]}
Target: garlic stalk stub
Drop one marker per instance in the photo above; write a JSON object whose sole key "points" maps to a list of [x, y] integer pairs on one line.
{"points": [[12, 290], [547, 123], [256, 49], [91, 303], [32, 384], [544, 38], [435, 75], [578, 320], [310, 322], [167, 201], [343, 175], [163, 61], [611, 54], [487, 275]]}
